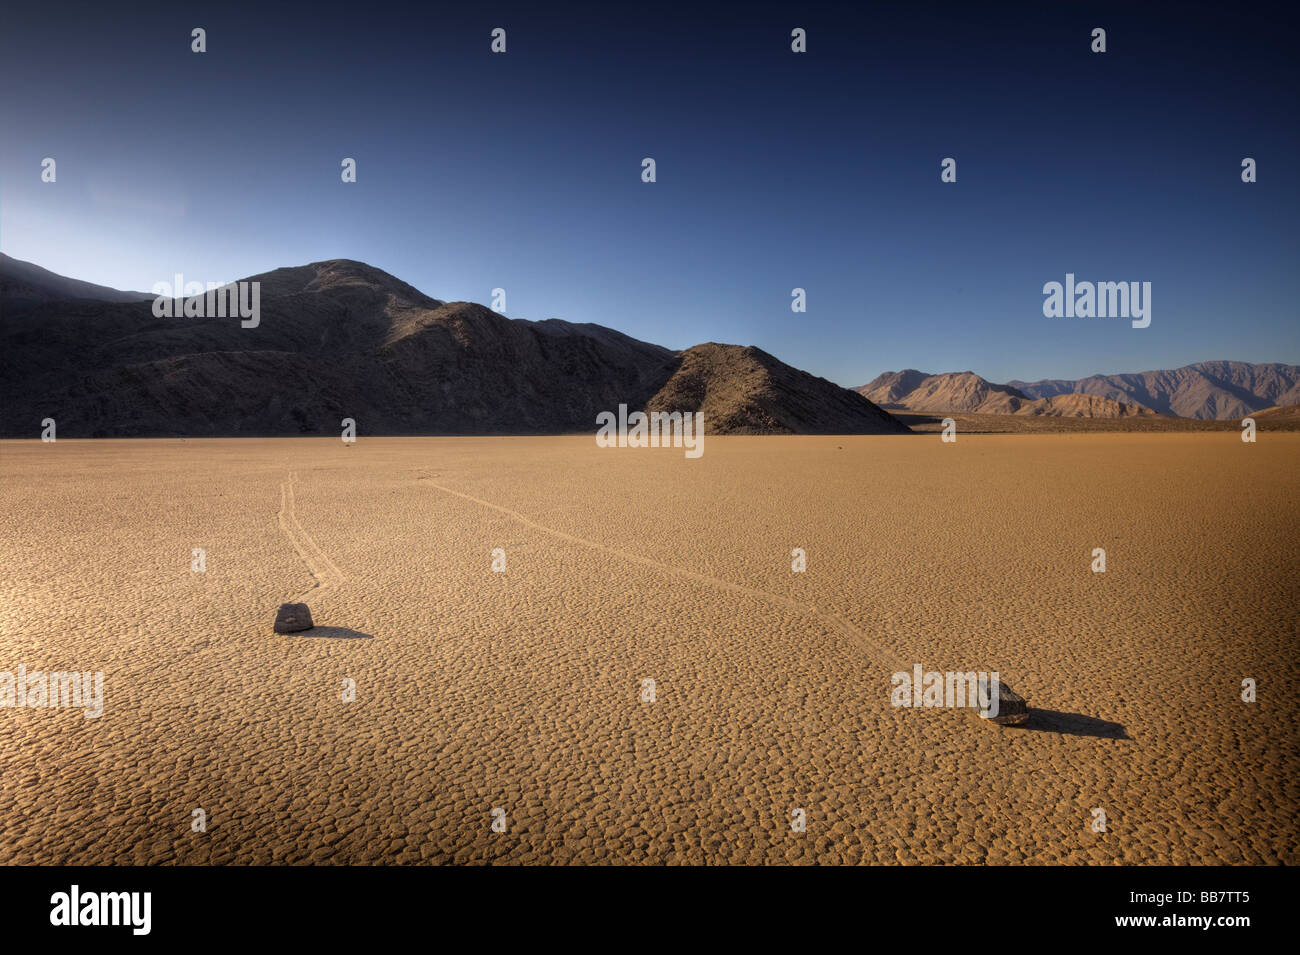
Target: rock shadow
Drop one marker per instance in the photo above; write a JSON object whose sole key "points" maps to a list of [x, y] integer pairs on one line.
{"points": [[334, 633], [1071, 724]]}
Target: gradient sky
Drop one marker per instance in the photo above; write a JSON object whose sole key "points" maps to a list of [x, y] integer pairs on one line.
{"points": [[775, 170]]}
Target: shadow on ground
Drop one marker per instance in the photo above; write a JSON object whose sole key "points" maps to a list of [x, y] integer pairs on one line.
{"points": [[334, 633], [1072, 724]]}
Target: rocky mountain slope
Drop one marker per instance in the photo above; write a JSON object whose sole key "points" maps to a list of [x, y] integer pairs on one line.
{"points": [[747, 391], [341, 339], [22, 283], [1082, 406], [1207, 391], [955, 391], [967, 393]]}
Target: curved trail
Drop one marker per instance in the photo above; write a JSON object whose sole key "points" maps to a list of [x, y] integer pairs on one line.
{"points": [[318, 563], [838, 624]]}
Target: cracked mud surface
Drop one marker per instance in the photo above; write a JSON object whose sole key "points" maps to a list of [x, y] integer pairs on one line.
{"points": [[521, 690]]}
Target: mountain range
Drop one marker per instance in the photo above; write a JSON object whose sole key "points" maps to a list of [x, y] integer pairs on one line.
{"points": [[1206, 390], [341, 339]]}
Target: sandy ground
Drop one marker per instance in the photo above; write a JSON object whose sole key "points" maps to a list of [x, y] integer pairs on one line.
{"points": [[521, 690]]}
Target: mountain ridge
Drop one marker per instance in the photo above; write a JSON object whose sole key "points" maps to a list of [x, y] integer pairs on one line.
{"points": [[1216, 389], [340, 338], [22, 282], [1210, 390]]}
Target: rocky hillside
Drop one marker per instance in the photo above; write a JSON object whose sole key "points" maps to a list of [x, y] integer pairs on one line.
{"points": [[1206, 390], [1083, 406], [744, 390], [23, 284], [342, 339], [954, 391]]}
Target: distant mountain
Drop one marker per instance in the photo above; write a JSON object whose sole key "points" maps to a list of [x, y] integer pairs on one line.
{"points": [[1206, 390], [962, 391], [1082, 406], [1280, 413], [22, 284], [954, 391], [343, 339], [1209, 390], [966, 392], [893, 386]]}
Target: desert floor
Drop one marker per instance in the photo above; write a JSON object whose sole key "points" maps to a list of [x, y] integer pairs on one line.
{"points": [[521, 690]]}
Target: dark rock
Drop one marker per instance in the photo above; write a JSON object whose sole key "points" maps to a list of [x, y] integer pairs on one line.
{"points": [[1011, 706], [293, 617]]}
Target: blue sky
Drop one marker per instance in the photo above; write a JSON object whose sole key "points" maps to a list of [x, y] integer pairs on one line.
{"points": [[775, 170]]}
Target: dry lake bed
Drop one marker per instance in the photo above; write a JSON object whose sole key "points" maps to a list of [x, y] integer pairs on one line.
{"points": [[437, 695]]}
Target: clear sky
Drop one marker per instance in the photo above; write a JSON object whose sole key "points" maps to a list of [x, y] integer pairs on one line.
{"points": [[775, 170]]}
